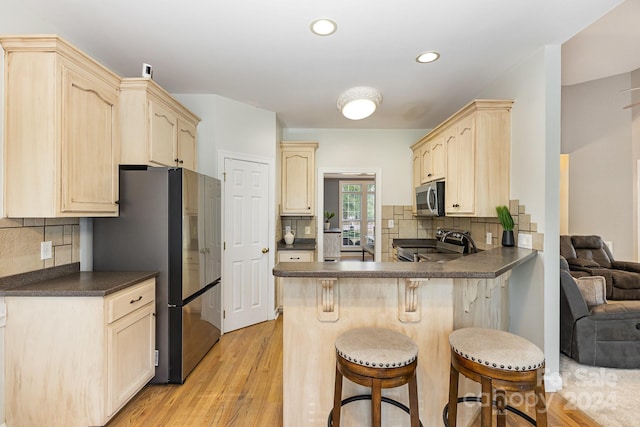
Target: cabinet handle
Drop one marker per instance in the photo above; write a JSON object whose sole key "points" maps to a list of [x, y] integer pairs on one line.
{"points": [[133, 301], [176, 160], [296, 257], [429, 174], [181, 161]]}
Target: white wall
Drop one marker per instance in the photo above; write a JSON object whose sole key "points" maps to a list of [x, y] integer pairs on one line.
{"points": [[596, 133], [387, 149], [535, 151], [231, 126]]}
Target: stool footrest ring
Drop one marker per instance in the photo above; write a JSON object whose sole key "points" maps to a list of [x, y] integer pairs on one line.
{"points": [[445, 411], [368, 397]]}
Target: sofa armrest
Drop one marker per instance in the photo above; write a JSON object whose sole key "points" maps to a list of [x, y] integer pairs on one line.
{"points": [[633, 267]]}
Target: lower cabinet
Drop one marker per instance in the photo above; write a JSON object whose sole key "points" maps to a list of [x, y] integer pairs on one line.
{"points": [[290, 256], [75, 361]]}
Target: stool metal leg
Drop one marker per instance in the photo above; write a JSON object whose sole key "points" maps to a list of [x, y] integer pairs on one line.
{"points": [[487, 399], [453, 397], [337, 398]]}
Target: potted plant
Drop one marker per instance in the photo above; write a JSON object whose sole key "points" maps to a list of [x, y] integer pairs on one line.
{"points": [[327, 218], [504, 216]]}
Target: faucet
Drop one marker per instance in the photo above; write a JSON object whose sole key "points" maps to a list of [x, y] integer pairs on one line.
{"points": [[473, 248]]}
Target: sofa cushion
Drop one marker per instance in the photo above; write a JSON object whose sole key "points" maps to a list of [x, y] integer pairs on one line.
{"points": [[566, 248], [625, 279], [593, 290], [592, 248], [582, 262]]}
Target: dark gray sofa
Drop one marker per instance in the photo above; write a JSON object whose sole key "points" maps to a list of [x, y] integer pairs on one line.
{"points": [[589, 256], [605, 335]]}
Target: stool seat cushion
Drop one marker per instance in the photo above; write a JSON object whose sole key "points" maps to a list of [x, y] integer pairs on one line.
{"points": [[496, 349], [376, 348]]}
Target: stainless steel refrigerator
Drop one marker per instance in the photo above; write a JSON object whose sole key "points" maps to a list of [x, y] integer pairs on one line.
{"points": [[170, 222]]}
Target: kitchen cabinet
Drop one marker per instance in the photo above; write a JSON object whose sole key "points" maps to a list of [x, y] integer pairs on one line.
{"points": [[297, 178], [62, 133], [157, 130], [477, 144], [290, 256], [75, 361], [433, 160], [417, 177]]}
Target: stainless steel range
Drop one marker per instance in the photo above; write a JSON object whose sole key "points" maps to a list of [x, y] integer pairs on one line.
{"points": [[448, 245]]}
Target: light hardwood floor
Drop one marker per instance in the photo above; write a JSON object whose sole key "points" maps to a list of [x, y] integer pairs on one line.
{"points": [[239, 383]]}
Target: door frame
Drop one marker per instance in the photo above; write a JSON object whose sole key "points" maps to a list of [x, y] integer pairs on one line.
{"points": [[223, 155], [320, 206]]}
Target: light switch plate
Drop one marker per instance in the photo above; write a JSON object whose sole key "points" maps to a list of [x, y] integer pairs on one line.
{"points": [[525, 240], [307, 229], [46, 250], [489, 239], [390, 224]]}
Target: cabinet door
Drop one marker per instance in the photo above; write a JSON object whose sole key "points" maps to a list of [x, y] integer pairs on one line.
{"points": [[130, 355], [89, 166], [438, 158], [426, 162], [417, 173], [163, 134], [297, 182], [187, 145], [460, 193]]}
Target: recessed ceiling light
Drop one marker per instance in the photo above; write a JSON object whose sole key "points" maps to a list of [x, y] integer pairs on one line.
{"points": [[323, 27], [426, 57]]}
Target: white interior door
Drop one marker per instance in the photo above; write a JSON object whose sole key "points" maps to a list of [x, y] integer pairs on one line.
{"points": [[246, 261]]}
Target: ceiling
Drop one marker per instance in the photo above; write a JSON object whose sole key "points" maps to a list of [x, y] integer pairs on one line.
{"points": [[261, 52]]}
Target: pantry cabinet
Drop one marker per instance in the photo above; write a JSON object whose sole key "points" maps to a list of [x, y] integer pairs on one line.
{"points": [[157, 130], [77, 360], [297, 178], [61, 134], [477, 143]]}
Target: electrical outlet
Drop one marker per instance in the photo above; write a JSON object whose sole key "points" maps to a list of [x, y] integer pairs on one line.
{"points": [[307, 229], [46, 250], [525, 240], [489, 240], [390, 224]]}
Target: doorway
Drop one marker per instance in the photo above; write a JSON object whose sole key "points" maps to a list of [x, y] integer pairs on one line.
{"points": [[369, 233], [247, 285]]}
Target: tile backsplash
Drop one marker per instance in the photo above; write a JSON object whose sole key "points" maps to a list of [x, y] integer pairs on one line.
{"points": [[407, 226], [20, 243]]}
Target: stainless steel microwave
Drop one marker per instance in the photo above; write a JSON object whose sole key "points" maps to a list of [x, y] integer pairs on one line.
{"points": [[430, 199]]}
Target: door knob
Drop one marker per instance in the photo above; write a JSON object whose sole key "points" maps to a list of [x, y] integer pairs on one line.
{"points": [[265, 250]]}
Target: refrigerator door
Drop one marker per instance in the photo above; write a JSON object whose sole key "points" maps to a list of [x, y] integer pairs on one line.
{"points": [[195, 328], [200, 231]]}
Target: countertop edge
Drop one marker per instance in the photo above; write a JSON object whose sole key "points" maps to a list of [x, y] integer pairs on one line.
{"points": [[484, 265], [81, 284]]}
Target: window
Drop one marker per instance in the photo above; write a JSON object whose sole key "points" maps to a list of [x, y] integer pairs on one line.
{"points": [[357, 213]]}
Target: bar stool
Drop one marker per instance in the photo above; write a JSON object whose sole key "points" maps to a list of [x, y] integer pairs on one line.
{"points": [[497, 360], [376, 358]]}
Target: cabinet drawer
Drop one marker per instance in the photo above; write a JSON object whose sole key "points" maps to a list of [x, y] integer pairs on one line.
{"points": [[129, 300], [295, 256]]}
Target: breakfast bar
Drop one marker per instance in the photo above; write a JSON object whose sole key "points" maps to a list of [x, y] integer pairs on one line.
{"points": [[424, 301]]}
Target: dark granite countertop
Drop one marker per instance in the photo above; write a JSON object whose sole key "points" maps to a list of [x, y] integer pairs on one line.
{"points": [[79, 284], [487, 264], [298, 245]]}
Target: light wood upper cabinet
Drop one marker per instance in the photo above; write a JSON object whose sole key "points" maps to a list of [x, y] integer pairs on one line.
{"points": [[475, 145], [62, 133], [156, 129], [297, 178], [417, 177]]}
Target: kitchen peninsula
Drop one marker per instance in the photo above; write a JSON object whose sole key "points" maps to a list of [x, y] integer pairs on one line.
{"points": [[424, 300]]}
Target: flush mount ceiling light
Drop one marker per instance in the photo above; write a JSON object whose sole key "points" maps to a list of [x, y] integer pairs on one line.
{"points": [[323, 27], [359, 102], [427, 57]]}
